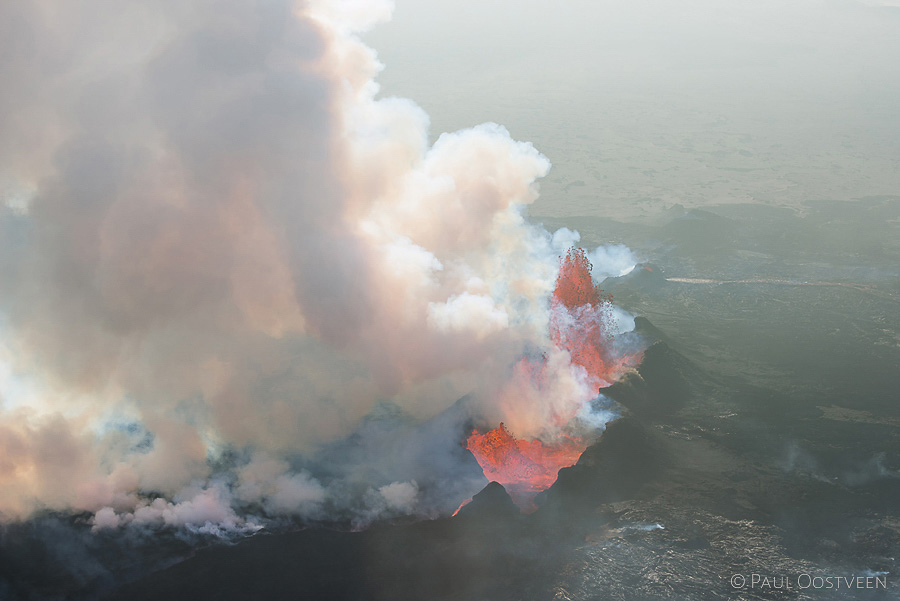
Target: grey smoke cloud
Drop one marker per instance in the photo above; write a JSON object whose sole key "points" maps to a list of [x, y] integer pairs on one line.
{"points": [[217, 237]]}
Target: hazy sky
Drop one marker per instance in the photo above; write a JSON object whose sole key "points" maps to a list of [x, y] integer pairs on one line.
{"points": [[641, 104]]}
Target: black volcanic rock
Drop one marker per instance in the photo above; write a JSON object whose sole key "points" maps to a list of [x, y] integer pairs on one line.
{"points": [[643, 276], [310, 564], [647, 330], [663, 383], [53, 556], [439, 560], [699, 231], [646, 279], [492, 502], [616, 468]]}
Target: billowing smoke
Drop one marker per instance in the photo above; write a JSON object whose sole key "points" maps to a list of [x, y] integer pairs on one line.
{"points": [[613, 260], [220, 252]]}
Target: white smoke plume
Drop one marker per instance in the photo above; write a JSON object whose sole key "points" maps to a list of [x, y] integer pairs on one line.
{"points": [[216, 238], [614, 260]]}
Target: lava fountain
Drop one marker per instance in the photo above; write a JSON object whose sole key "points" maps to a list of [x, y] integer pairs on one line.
{"points": [[580, 324]]}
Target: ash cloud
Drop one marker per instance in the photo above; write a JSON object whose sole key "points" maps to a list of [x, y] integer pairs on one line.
{"points": [[215, 233]]}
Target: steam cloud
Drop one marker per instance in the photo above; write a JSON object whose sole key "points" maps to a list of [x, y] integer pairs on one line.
{"points": [[219, 251]]}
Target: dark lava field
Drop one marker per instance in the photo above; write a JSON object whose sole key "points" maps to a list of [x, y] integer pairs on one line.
{"points": [[757, 454]]}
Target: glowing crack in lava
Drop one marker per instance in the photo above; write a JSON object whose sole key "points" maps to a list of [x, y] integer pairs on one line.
{"points": [[580, 323]]}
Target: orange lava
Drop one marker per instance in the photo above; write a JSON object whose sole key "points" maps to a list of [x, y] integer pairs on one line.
{"points": [[579, 322], [461, 505], [523, 467], [574, 286]]}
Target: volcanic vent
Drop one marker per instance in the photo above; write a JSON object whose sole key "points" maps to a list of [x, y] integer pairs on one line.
{"points": [[581, 326]]}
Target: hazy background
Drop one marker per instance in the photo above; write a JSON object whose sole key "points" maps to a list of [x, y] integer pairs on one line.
{"points": [[642, 104], [746, 152]]}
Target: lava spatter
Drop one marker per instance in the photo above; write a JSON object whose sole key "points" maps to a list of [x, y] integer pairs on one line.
{"points": [[581, 324]]}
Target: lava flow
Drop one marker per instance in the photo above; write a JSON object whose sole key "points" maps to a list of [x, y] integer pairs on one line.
{"points": [[580, 323], [523, 467]]}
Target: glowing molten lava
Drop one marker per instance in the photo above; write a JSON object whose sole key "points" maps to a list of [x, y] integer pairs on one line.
{"points": [[580, 318], [523, 467], [580, 323], [574, 287]]}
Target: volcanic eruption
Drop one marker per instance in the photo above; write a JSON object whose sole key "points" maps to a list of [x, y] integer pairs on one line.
{"points": [[580, 325], [223, 253]]}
